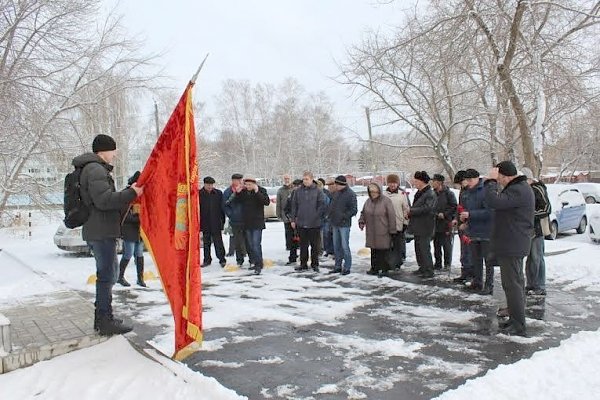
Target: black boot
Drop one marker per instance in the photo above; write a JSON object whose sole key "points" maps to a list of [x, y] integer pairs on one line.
{"points": [[122, 266], [139, 264], [107, 326]]}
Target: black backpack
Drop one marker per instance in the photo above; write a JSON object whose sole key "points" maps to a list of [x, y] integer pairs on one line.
{"points": [[76, 211]]}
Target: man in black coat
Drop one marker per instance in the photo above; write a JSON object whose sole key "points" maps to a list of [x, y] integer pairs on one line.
{"points": [[514, 206], [445, 210], [103, 226], [212, 219], [253, 199], [421, 223]]}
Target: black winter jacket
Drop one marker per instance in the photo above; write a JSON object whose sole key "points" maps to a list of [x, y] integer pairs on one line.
{"points": [[542, 206], [342, 208], [514, 207], [212, 217], [130, 231], [446, 204], [253, 207], [98, 192], [422, 212]]}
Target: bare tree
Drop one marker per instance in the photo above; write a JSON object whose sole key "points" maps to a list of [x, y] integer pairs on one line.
{"points": [[63, 78]]}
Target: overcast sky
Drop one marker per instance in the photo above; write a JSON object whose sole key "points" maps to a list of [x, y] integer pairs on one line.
{"points": [[260, 40]]}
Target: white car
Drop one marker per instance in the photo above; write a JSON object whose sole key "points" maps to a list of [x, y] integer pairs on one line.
{"points": [[71, 240], [271, 210], [590, 191]]}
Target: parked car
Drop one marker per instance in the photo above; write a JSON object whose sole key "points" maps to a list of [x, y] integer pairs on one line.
{"points": [[590, 191], [568, 210], [270, 210], [594, 222], [71, 240]]}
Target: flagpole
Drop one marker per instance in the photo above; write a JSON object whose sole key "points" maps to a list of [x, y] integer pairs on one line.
{"points": [[193, 80]]}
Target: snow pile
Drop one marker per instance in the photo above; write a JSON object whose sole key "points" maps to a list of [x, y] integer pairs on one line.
{"points": [[565, 372], [111, 370]]}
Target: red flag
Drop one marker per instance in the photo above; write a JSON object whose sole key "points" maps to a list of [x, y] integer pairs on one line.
{"points": [[170, 222]]}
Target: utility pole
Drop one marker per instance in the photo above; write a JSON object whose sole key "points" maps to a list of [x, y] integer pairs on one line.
{"points": [[156, 119], [371, 146]]}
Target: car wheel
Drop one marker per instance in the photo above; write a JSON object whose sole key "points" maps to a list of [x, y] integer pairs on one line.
{"points": [[582, 225], [553, 231], [590, 200]]}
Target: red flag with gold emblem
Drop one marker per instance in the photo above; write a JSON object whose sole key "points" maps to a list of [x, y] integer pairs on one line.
{"points": [[170, 222]]}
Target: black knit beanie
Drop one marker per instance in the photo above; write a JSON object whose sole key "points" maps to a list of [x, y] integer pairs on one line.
{"points": [[103, 143]]}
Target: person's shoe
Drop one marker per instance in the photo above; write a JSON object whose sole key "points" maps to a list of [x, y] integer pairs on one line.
{"points": [[335, 271], [427, 275], [371, 272], [257, 270], [512, 330], [123, 282], [290, 262], [301, 268], [487, 291], [222, 263], [345, 272], [252, 267], [418, 272], [381, 274], [502, 312], [439, 267], [316, 268], [474, 287], [109, 326], [460, 279]]}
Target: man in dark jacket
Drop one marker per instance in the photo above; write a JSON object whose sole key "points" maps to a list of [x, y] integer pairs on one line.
{"points": [[421, 222], [103, 226], [514, 206], [342, 208], [233, 210], [535, 266], [466, 265], [283, 196], [445, 210], [253, 199], [212, 219], [478, 218], [308, 209]]}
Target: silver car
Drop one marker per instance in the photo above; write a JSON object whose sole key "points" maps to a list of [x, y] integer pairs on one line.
{"points": [[71, 240]]}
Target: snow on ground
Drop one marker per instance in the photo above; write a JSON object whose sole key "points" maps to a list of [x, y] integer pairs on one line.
{"points": [[110, 370], [566, 372], [234, 298]]}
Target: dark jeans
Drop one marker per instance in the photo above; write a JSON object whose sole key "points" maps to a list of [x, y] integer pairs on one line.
{"points": [[480, 252], [535, 266], [442, 241], [240, 243], [310, 237], [289, 241], [254, 239], [327, 232], [209, 238], [511, 271], [465, 260], [379, 260], [423, 253], [397, 253], [107, 272]]}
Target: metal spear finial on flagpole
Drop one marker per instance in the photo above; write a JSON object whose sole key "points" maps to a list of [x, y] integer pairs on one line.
{"points": [[193, 80]]}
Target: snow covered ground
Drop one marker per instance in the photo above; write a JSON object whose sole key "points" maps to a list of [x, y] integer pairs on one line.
{"points": [[232, 299]]}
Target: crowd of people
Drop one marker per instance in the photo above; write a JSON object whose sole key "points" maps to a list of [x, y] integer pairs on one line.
{"points": [[497, 218], [500, 219]]}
